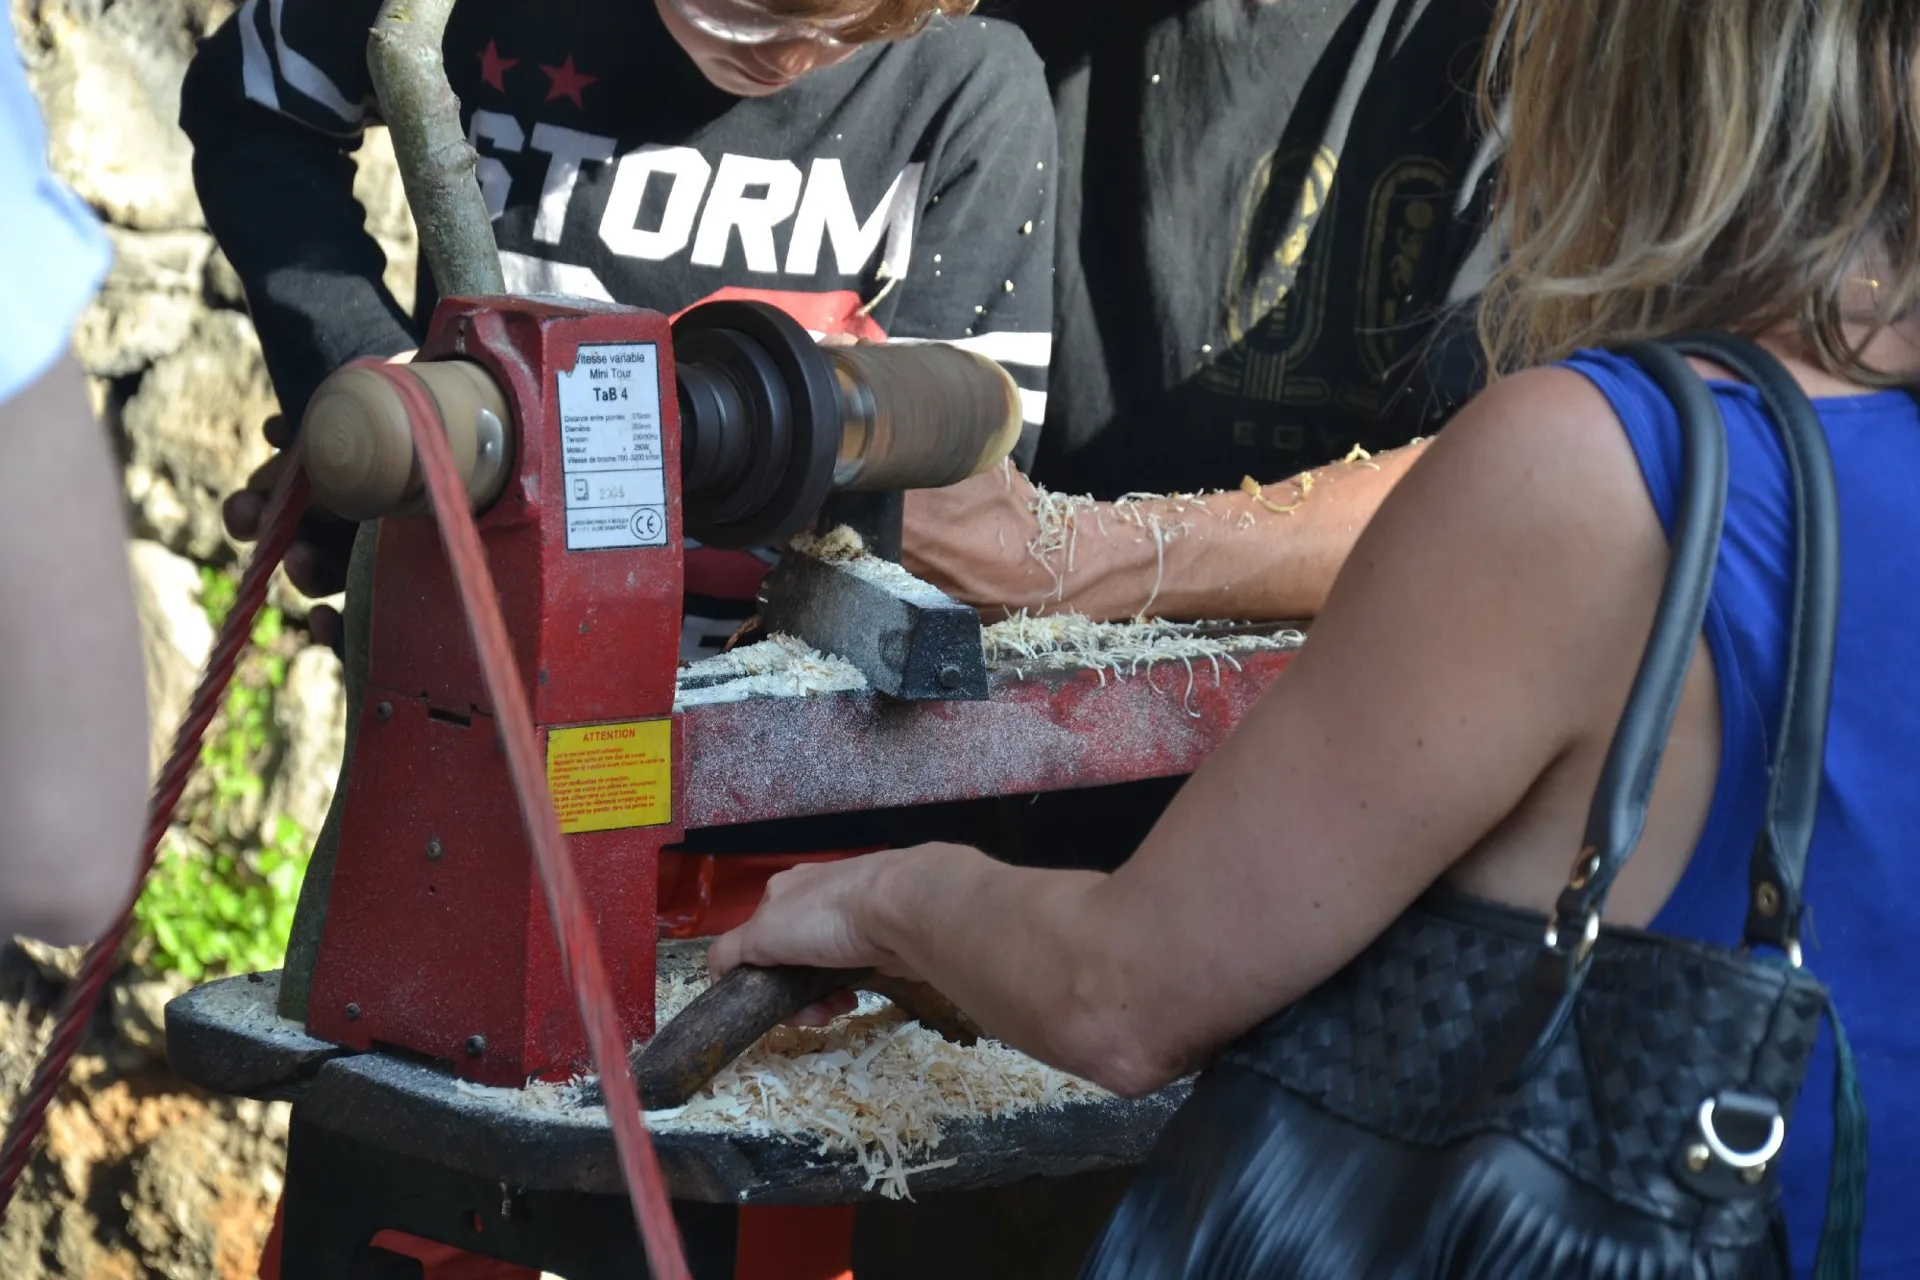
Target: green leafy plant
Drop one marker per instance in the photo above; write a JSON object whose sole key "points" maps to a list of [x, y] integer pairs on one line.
{"points": [[218, 591], [212, 911], [223, 900]]}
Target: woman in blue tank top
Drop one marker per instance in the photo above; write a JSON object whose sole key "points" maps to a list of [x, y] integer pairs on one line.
{"points": [[1750, 165], [1864, 866]]}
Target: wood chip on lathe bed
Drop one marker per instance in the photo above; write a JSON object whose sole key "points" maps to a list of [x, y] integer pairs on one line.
{"points": [[871, 1084]]}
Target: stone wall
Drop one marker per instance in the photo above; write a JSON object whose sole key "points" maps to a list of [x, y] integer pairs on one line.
{"points": [[141, 1176], [174, 366]]}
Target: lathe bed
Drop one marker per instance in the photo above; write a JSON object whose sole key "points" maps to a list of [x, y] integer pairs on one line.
{"points": [[1150, 702], [1129, 704]]}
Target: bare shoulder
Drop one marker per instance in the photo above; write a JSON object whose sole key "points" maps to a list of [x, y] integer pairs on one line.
{"points": [[1536, 417], [1539, 456], [1528, 528]]}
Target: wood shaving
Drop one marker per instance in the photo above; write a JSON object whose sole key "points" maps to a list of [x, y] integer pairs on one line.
{"points": [[777, 667], [1357, 454], [1070, 641], [1058, 518], [844, 547], [872, 1084], [784, 667], [1160, 516], [1145, 511], [840, 543], [895, 580], [1255, 490], [890, 281]]}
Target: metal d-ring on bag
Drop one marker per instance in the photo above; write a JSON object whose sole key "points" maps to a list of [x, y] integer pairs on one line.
{"points": [[1487, 1092]]}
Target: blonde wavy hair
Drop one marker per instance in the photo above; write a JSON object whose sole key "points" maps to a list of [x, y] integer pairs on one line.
{"points": [[1681, 164]]}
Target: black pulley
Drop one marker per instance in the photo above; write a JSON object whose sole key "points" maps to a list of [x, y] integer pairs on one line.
{"points": [[760, 423]]}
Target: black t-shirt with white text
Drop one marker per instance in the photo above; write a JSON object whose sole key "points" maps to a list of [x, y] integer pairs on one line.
{"points": [[904, 193]]}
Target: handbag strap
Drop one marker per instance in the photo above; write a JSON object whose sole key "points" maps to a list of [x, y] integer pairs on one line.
{"points": [[1778, 869], [1619, 811], [1618, 815]]}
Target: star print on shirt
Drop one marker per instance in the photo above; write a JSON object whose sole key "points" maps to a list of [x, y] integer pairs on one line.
{"points": [[494, 68], [567, 82]]}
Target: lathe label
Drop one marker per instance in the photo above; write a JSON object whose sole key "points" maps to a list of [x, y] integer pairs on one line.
{"points": [[610, 447], [608, 776]]}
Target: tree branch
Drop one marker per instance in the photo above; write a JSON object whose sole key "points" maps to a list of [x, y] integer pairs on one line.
{"points": [[436, 161]]}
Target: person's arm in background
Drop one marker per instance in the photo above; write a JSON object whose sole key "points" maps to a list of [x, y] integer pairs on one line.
{"points": [[275, 103], [73, 722], [1266, 552], [999, 544]]}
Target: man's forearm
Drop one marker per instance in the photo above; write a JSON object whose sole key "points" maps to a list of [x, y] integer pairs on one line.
{"points": [[1265, 552]]}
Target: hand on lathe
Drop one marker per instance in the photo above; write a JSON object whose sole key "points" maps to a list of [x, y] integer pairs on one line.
{"points": [[972, 541], [819, 915], [316, 563]]}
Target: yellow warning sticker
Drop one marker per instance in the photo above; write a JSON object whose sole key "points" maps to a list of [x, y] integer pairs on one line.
{"points": [[605, 777]]}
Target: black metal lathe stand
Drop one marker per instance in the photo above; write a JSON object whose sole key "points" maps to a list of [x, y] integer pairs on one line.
{"points": [[380, 1142]]}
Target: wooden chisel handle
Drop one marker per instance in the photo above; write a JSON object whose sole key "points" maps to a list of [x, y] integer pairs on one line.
{"points": [[726, 1019]]}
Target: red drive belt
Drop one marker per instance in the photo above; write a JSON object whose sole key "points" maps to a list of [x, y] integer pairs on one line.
{"points": [[580, 957]]}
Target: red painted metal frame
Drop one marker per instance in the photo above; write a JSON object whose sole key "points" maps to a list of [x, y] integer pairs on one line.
{"points": [[794, 1242], [437, 940], [1046, 732], [703, 895]]}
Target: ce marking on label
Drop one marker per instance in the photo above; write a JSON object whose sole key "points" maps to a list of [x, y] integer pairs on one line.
{"points": [[645, 524]]}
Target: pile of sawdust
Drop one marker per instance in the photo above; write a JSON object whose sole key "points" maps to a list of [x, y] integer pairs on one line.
{"points": [[896, 581], [777, 667], [1069, 641], [840, 543], [843, 546], [873, 1084]]}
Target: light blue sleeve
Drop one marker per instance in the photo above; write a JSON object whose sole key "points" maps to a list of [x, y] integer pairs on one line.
{"points": [[53, 253]]}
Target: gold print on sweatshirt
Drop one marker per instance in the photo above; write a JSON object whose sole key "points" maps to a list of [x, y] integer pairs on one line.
{"points": [[1268, 330], [1405, 208], [1258, 289]]}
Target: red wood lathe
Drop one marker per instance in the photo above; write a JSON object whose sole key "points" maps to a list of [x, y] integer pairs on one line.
{"points": [[592, 441]]}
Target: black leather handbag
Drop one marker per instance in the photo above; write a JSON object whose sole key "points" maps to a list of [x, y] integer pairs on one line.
{"points": [[1488, 1092]]}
